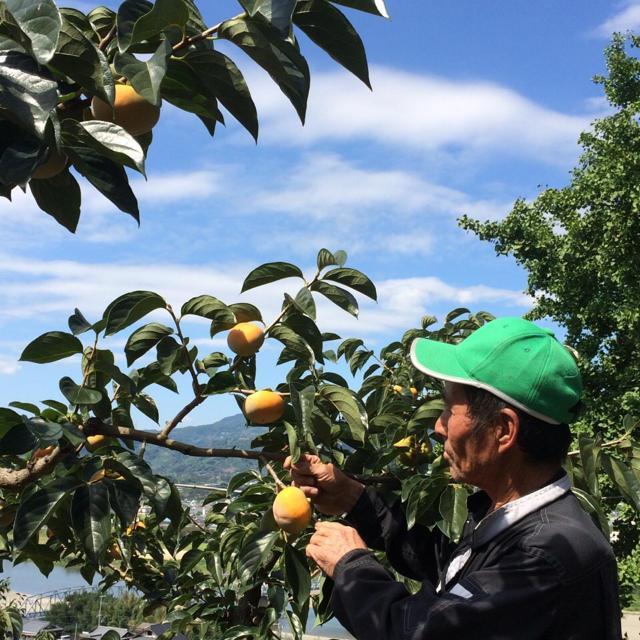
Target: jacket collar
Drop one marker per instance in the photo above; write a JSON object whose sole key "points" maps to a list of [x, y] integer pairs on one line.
{"points": [[489, 526]]}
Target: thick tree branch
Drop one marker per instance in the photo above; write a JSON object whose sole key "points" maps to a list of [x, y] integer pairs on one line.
{"points": [[17, 479]]}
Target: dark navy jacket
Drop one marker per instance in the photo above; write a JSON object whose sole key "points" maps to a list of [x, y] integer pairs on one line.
{"points": [[535, 569]]}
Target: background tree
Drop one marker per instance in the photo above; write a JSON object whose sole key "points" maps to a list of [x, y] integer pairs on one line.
{"points": [[579, 247], [83, 92]]}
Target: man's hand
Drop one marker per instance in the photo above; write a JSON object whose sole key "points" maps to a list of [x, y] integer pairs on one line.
{"points": [[331, 491], [330, 542]]}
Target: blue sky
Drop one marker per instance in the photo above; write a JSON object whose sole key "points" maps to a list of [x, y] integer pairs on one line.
{"points": [[474, 104]]}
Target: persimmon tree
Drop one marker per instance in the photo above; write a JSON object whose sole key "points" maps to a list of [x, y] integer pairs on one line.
{"points": [[237, 575], [55, 63]]}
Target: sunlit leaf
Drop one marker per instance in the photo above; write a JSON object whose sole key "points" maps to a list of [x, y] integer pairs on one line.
{"points": [[51, 346]]}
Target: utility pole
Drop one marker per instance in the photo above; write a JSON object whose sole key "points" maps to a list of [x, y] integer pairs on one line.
{"points": [[100, 609]]}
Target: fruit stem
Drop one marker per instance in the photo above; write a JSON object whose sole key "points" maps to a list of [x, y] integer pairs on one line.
{"points": [[279, 484]]}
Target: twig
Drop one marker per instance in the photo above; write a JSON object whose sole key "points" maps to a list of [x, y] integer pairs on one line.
{"points": [[181, 416], [279, 484], [611, 443]]}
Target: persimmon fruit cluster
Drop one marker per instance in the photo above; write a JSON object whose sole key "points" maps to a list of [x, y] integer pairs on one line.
{"points": [[264, 407], [130, 110], [245, 339], [291, 510]]}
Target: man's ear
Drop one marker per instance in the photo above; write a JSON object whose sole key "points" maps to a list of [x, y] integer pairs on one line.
{"points": [[507, 428]]}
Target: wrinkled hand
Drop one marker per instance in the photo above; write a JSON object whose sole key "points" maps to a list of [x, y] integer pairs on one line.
{"points": [[331, 491], [330, 542]]}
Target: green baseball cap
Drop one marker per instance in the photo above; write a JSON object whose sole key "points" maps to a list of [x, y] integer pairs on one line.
{"points": [[515, 360]]}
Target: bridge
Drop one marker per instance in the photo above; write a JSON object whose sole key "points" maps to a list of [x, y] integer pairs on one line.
{"points": [[38, 605]]}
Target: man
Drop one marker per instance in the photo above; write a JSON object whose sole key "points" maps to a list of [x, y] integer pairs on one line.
{"points": [[530, 563]]}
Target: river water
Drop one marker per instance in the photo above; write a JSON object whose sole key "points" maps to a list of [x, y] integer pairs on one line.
{"points": [[26, 578]]}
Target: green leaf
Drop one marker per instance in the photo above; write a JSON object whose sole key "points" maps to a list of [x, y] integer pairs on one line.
{"points": [[132, 466], [129, 12], [146, 404], [350, 407], [325, 258], [26, 406], [35, 508], [277, 13], [45, 431], [354, 279], [270, 272], [107, 176], [338, 296], [293, 342], [303, 402], [246, 311], [452, 315], [51, 346], [124, 498], [80, 59], [594, 508], [305, 328], [254, 553], [108, 139], [168, 352], [297, 576], [60, 197], [330, 30], [90, 517], [8, 420], [589, 456], [304, 302], [278, 57], [129, 308], [425, 415], [221, 78], [145, 76], [143, 339], [294, 447], [208, 307], [78, 395], [28, 92], [453, 509], [221, 382], [78, 323], [622, 476], [165, 13], [40, 21], [376, 7]]}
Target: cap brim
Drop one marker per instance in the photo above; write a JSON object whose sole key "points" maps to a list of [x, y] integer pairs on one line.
{"points": [[437, 359]]}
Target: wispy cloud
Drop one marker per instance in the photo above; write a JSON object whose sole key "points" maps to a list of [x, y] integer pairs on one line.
{"points": [[626, 19], [422, 113]]}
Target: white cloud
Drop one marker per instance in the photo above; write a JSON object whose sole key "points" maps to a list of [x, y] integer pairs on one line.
{"points": [[421, 113], [627, 19]]}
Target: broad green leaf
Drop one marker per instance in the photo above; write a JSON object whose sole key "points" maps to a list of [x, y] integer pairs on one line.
{"points": [[296, 571], [90, 517], [60, 197], [8, 420], [589, 456], [219, 76], [350, 407], [331, 31], [426, 415], [135, 467], [76, 394], [124, 498], [246, 312], [40, 21], [254, 553], [270, 272], [102, 20], [305, 302], [305, 328], [376, 7], [208, 307], [161, 497], [78, 323], [19, 155], [45, 431], [293, 342], [80, 59], [165, 13], [303, 402], [143, 339], [348, 347], [108, 139], [338, 296], [56, 406], [26, 406], [221, 382], [35, 508], [129, 308], [28, 92], [182, 87], [168, 352], [129, 12], [354, 279], [453, 509], [294, 447], [146, 404], [278, 57], [145, 76], [452, 315], [214, 360], [623, 478], [593, 507], [17, 441], [107, 176], [51, 346], [325, 259], [277, 13]]}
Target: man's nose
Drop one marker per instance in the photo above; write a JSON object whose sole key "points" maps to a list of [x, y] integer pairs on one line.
{"points": [[439, 427]]}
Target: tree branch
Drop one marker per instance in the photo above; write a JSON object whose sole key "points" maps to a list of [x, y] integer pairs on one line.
{"points": [[17, 479]]}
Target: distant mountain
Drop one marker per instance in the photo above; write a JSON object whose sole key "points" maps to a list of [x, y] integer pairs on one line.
{"points": [[225, 434]]}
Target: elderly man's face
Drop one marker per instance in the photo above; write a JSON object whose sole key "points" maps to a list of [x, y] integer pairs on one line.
{"points": [[470, 454]]}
